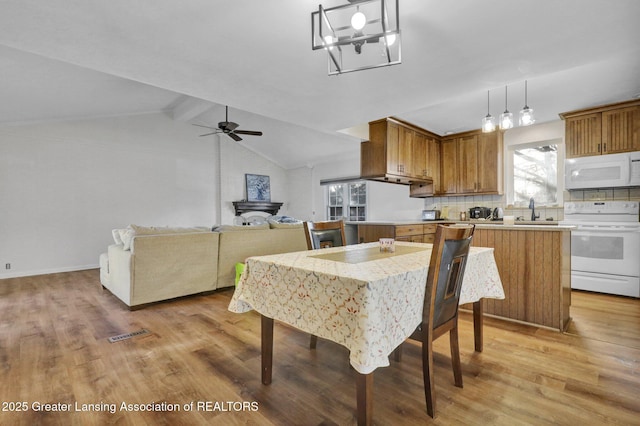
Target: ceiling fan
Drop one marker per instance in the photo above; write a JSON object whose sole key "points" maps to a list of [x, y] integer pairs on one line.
{"points": [[229, 128]]}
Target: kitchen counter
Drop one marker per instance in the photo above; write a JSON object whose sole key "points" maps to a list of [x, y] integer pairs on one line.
{"points": [[533, 259], [480, 224]]}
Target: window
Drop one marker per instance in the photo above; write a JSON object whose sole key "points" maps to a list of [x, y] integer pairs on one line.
{"points": [[534, 174], [347, 200]]}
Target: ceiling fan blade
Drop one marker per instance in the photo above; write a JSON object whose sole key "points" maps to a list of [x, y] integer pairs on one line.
{"points": [[248, 132], [234, 137], [202, 125], [209, 134]]}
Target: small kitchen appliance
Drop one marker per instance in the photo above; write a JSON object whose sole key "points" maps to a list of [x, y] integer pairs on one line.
{"points": [[430, 214], [479, 213]]}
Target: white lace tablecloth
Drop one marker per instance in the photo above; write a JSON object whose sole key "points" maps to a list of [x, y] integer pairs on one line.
{"points": [[370, 307]]}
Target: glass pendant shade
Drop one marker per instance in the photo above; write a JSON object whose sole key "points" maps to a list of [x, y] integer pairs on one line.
{"points": [[506, 118], [488, 123], [526, 115]]}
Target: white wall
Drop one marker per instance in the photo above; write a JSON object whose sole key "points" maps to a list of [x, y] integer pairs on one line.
{"points": [[385, 201], [300, 187], [64, 186], [235, 162]]}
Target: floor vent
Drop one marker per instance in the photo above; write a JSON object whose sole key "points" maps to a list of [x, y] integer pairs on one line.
{"points": [[126, 336]]}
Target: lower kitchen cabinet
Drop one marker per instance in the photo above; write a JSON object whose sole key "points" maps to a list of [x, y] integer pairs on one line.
{"points": [[415, 232], [535, 269]]}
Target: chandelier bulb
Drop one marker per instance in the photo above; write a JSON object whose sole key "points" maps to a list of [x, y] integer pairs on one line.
{"points": [[358, 20]]}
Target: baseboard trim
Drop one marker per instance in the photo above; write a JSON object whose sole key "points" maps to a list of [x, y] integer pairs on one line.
{"points": [[19, 274]]}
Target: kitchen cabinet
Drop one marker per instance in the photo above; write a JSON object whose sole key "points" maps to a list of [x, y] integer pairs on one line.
{"points": [[535, 270], [398, 152], [449, 166], [418, 232], [471, 163], [433, 160], [607, 129]]}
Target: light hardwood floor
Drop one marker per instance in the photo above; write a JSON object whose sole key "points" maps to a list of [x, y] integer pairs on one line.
{"points": [[54, 349]]}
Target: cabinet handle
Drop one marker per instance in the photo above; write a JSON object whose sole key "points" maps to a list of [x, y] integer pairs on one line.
{"points": [[604, 147], [598, 147]]}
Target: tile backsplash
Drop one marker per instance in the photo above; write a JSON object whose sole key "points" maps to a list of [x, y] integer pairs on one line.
{"points": [[452, 206]]}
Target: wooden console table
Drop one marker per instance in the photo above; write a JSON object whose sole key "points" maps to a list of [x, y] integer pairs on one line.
{"points": [[256, 206]]}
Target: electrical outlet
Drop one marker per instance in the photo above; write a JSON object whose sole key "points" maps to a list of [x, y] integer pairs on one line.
{"points": [[7, 266]]}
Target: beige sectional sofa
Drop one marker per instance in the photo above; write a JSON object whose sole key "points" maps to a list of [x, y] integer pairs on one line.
{"points": [[148, 265]]}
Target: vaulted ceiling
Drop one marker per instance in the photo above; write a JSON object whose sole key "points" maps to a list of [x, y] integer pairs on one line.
{"points": [[65, 59]]}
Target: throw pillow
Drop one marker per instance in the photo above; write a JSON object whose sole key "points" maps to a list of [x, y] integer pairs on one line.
{"points": [[276, 225], [116, 236], [126, 235]]}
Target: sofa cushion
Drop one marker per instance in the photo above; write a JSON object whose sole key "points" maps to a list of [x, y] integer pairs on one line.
{"points": [[157, 230], [223, 228], [125, 236]]}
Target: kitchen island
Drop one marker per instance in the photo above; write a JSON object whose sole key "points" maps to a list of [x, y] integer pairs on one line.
{"points": [[534, 262]]}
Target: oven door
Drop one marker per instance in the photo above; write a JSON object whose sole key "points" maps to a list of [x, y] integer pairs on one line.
{"points": [[602, 249]]}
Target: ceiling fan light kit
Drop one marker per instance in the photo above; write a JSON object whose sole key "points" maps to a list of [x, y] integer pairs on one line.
{"points": [[229, 128], [359, 35]]}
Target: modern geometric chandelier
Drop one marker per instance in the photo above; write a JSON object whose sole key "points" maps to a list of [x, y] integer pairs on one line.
{"points": [[360, 35]]}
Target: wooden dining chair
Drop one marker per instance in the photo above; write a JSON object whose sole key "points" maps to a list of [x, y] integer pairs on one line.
{"points": [[322, 235], [440, 310]]}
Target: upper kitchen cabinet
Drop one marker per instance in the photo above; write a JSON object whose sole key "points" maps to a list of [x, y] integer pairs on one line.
{"points": [[397, 152], [472, 163], [607, 129]]}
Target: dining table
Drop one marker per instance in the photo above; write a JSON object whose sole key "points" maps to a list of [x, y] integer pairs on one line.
{"points": [[359, 296]]}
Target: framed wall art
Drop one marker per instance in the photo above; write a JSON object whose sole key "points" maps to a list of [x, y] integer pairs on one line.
{"points": [[258, 188]]}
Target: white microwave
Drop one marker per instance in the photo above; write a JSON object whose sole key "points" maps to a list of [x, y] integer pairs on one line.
{"points": [[603, 171]]}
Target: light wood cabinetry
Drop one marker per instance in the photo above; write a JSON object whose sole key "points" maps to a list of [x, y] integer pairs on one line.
{"points": [[471, 163], [449, 166], [433, 160], [535, 270], [398, 152], [607, 129], [415, 232]]}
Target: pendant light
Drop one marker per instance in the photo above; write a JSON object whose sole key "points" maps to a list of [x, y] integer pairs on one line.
{"points": [[488, 123], [506, 118], [526, 115]]}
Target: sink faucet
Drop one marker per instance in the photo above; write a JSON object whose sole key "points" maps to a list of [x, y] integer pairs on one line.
{"points": [[533, 210]]}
